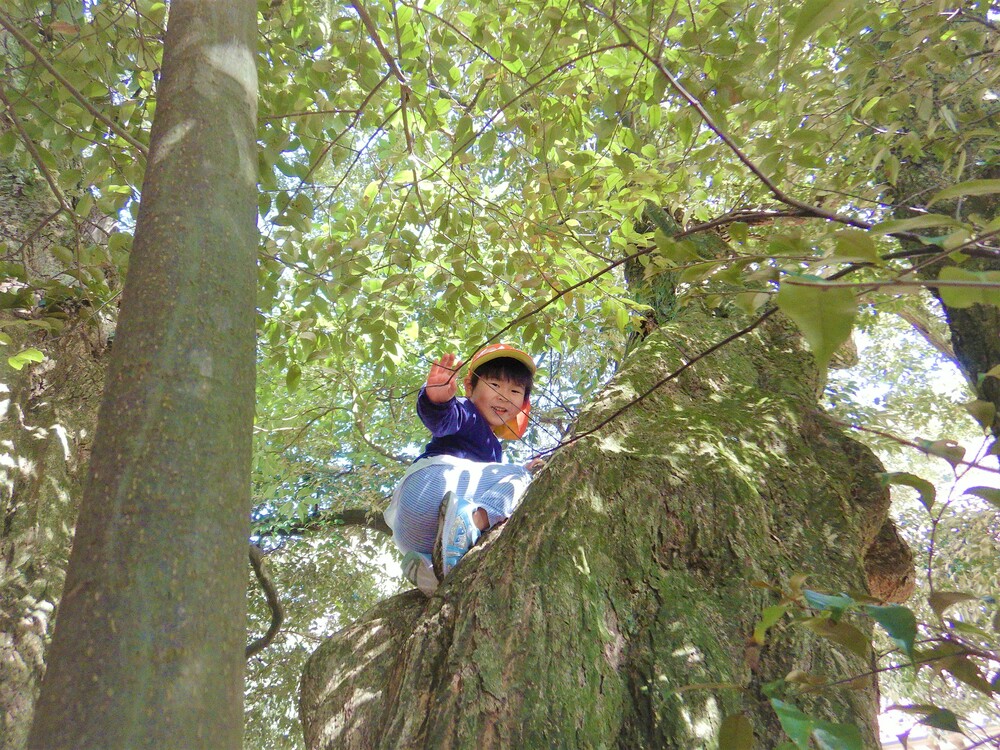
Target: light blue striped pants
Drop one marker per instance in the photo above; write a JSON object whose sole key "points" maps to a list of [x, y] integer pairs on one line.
{"points": [[413, 513]]}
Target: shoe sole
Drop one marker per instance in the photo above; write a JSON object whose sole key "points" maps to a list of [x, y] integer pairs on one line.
{"points": [[437, 553]]}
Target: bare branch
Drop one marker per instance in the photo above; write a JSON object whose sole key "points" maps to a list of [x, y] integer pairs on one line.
{"points": [[271, 595]]}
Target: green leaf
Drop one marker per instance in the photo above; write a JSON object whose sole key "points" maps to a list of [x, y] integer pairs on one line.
{"points": [[736, 733], [814, 15], [840, 632], [853, 244], [831, 736], [292, 377], [964, 670], [985, 292], [768, 618], [835, 604], [949, 450], [898, 622], [971, 187], [989, 494], [824, 315], [796, 724], [19, 360], [924, 221], [982, 411], [926, 489], [942, 718], [941, 600], [750, 302]]}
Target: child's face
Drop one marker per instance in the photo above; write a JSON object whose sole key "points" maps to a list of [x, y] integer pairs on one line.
{"points": [[497, 400]]}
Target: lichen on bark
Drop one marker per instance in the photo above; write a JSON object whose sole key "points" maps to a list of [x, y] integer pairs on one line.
{"points": [[623, 582]]}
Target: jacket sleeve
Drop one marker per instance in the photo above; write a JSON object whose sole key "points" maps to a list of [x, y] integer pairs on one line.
{"points": [[443, 419]]}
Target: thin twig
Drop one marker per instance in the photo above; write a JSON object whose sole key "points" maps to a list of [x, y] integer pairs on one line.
{"points": [[911, 444]]}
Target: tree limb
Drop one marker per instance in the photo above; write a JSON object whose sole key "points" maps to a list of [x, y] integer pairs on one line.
{"points": [[937, 341], [271, 595], [366, 518]]}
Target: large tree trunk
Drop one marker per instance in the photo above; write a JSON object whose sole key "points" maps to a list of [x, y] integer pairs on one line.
{"points": [[626, 575], [973, 329], [148, 644]]}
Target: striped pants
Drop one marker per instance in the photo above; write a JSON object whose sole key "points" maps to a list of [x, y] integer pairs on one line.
{"points": [[413, 513]]}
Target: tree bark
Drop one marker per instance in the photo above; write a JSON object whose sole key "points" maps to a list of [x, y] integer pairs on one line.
{"points": [[149, 640], [623, 582]]}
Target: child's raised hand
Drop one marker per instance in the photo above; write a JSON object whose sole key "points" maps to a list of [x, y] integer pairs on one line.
{"points": [[442, 381]]}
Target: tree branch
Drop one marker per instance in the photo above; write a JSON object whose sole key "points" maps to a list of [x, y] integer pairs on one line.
{"points": [[366, 518], [938, 342], [37, 157], [373, 34], [271, 595], [12, 29]]}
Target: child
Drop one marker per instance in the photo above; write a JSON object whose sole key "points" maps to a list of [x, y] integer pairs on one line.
{"points": [[458, 488]]}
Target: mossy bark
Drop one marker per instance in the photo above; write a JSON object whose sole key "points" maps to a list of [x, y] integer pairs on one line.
{"points": [[149, 639], [624, 581]]}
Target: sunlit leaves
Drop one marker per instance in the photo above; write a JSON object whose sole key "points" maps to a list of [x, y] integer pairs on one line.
{"points": [[971, 187], [967, 288], [24, 357]]}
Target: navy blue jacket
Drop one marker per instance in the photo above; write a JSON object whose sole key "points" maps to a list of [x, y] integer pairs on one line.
{"points": [[458, 429]]}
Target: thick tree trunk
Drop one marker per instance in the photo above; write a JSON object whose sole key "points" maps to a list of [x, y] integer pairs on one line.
{"points": [[624, 580], [973, 329], [149, 640]]}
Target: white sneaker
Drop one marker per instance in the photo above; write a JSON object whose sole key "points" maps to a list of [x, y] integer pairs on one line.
{"points": [[418, 571]]}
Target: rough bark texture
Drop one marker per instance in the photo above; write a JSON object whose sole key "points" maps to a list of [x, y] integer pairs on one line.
{"points": [[149, 640], [626, 575]]}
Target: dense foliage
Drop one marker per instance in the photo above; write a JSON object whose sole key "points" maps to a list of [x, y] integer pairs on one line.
{"points": [[436, 174]]}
